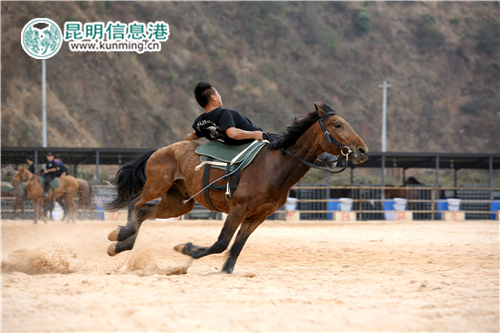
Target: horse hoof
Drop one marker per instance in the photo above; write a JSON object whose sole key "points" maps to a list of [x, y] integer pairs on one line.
{"points": [[179, 247], [113, 236], [112, 250]]}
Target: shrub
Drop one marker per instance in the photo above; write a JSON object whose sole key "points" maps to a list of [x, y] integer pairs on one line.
{"points": [[332, 39], [456, 20], [362, 21], [429, 37], [488, 38]]}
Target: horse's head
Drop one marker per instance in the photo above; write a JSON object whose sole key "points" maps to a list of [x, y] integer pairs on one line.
{"points": [[342, 132], [21, 175]]}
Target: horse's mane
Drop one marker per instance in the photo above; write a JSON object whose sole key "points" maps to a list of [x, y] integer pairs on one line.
{"points": [[298, 127]]}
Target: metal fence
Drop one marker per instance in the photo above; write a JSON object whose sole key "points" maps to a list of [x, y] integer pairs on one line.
{"points": [[316, 202], [369, 202]]}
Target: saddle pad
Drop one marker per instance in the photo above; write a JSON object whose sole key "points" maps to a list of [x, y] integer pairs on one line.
{"points": [[221, 152], [54, 183]]}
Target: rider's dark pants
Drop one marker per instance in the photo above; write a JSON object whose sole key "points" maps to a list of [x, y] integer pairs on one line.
{"points": [[48, 177]]}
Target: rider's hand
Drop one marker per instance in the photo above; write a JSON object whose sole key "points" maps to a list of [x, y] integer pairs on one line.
{"points": [[259, 136]]}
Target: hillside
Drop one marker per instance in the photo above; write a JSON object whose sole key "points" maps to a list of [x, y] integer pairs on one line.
{"points": [[269, 60]]}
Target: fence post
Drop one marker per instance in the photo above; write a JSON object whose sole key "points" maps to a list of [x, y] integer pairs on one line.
{"points": [[36, 159], [437, 175], [433, 203], [491, 177], [383, 169], [97, 166]]}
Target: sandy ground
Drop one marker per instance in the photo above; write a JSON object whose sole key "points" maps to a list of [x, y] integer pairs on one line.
{"points": [[291, 276]]}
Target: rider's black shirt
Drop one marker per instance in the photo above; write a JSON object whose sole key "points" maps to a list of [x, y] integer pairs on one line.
{"points": [[31, 168], [62, 168], [212, 125], [50, 165]]}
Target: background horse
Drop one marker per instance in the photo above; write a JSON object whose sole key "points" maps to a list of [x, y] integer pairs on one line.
{"points": [[68, 188], [84, 196], [170, 173], [19, 191]]}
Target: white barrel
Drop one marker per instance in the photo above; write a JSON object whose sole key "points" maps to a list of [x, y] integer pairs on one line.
{"points": [[400, 204], [453, 204], [291, 204], [345, 204]]}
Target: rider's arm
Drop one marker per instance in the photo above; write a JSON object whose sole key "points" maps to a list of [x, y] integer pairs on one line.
{"points": [[239, 134], [192, 136], [50, 170]]}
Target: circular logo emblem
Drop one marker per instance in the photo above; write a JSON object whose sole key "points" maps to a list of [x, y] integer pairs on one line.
{"points": [[41, 38]]}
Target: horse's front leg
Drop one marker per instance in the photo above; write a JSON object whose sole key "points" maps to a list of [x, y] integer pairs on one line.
{"points": [[233, 221], [35, 209], [248, 226]]}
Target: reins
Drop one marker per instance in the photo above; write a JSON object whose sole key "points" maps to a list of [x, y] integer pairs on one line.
{"points": [[27, 180], [330, 139], [317, 167]]}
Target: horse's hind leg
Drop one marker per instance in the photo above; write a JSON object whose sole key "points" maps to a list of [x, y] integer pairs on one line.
{"points": [[72, 208], [233, 221], [150, 191], [248, 226], [171, 205]]}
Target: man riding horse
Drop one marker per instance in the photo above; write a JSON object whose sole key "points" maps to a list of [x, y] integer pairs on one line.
{"points": [[50, 171], [229, 126], [31, 167]]}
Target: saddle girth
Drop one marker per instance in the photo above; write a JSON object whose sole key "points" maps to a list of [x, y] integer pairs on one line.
{"points": [[206, 180]]}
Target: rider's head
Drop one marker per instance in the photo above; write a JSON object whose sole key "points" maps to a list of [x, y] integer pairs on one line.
{"points": [[50, 156], [29, 159], [205, 95]]}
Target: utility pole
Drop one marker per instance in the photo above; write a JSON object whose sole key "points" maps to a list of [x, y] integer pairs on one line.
{"points": [[384, 114], [384, 128], [44, 107]]}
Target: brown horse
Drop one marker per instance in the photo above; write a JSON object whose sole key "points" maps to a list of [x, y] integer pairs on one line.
{"points": [[19, 191], [408, 190], [170, 173], [84, 196], [67, 189]]}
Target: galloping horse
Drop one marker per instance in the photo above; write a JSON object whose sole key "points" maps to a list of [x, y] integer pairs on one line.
{"points": [[67, 190], [170, 173]]}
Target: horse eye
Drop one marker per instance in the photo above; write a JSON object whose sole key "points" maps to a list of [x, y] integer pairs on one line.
{"points": [[338, 126]]}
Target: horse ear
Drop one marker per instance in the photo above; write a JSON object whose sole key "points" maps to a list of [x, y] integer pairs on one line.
{"points": [[322, 108]]}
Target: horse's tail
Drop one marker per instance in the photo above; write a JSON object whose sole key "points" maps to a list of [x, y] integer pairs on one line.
{"points": [[85, 195], [130, 180]]}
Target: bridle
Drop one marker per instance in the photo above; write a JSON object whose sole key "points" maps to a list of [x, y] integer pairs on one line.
{"points": [[330, 139], [27, 180]]}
